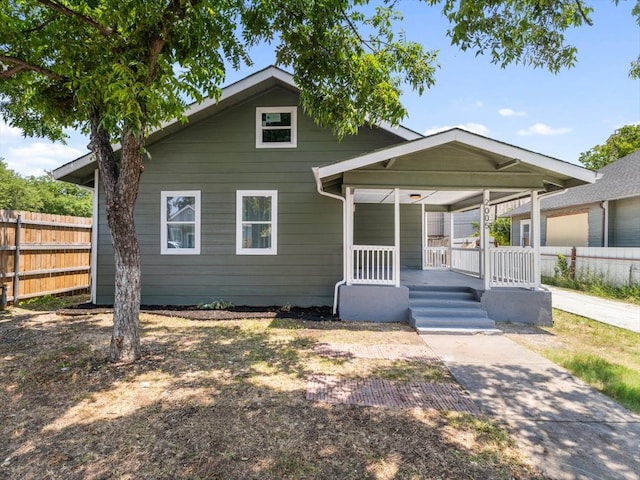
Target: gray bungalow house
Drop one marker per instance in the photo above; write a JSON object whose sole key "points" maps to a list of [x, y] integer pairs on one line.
{"points": [[604, 214], [281, 212]]}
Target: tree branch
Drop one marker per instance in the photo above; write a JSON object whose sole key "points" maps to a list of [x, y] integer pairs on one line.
{"points": [[356, 32], [21, 65], [9, 72], [583, 14], [37, 28], [71, 13]]}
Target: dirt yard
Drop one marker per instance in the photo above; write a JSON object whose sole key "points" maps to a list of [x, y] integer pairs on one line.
{"points": [[227, 399]]}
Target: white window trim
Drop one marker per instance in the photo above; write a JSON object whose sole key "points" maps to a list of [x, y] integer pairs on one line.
{"points": [[164, 250], [240, 250], [524, 222], [294, 127]]}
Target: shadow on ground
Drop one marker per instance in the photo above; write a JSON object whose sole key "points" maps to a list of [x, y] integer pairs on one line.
{"points": [[209, 400]]}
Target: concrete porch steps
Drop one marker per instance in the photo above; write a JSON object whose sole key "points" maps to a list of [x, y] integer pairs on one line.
{"points": [[447, 310]]}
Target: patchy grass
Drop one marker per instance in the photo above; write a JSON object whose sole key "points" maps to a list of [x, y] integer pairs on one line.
{"points": [[223, 400], [47, 303], [629, 293], [606, 357]]}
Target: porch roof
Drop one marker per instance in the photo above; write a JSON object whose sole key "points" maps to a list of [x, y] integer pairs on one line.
{"points": [[449, 170]]}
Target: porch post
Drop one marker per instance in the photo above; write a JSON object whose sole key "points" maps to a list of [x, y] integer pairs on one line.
{"points": [[396, 260], [425, 236], [451, 232], [349, 235], [485, 263], [535, 237]]}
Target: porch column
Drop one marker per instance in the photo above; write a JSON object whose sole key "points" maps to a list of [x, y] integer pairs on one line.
{"points": [[535, 237], [349, 235], [485, 259], [451, 232], [396, 215], [425, 236]]}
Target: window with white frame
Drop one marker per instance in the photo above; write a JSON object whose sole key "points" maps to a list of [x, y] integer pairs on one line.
{"points": [[180, 223], [276, 127], [256, 222], [525, 233]]}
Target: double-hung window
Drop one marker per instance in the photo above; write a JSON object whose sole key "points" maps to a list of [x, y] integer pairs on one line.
{"points": [[256, 222], [276, 127], [180, 223]]}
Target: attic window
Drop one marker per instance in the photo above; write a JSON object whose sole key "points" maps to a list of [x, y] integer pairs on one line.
{"points": [[276, 127]]}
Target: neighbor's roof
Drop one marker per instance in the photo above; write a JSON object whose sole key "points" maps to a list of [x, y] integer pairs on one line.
{"points": [[81, 169], [620, 179]]}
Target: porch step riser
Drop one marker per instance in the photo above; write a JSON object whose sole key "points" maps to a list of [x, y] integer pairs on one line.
{"points": [[438, 303], [453, 323], [428, 313], [438, 288], [437, 297]]}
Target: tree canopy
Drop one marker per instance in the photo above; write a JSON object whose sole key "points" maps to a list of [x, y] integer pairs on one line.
{"points": [[119, 68], [622, 142], [42, 194]]}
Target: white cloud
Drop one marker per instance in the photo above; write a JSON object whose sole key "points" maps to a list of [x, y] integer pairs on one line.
{"points": [[470, 127], [8, 133], [509, 112], [542, 129], [479, 104], [34, 158]]}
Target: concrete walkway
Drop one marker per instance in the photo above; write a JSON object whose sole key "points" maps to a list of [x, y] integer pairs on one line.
{"points": [[619, 314], [566, 428]]}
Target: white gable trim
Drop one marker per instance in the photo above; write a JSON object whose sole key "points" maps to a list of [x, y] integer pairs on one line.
{"points": [[226, 93], [467, 138]]}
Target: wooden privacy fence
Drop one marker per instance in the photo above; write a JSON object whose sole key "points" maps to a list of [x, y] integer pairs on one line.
{"points": [[52, 254], [613, 265]]}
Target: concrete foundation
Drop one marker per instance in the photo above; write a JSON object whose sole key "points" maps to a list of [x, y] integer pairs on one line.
{"points": [[373, 303], [518, 305]]}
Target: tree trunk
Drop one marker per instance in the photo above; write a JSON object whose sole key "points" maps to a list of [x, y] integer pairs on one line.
{"points": [[120, 180]]}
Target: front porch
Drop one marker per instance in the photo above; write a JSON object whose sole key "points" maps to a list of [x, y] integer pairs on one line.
{"points": [[386, 197]]}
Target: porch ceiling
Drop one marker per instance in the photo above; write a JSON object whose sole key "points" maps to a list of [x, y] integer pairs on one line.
{"points": [[417, 196]]}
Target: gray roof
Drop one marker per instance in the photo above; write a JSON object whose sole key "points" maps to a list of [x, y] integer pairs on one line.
{"points": [[620, 179]]}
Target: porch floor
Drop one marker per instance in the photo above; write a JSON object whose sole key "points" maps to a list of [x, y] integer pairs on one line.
{"points": [[413, 277]]}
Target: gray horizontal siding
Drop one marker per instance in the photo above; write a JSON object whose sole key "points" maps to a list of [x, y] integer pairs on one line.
{"points": [[217, 156], [374, 225], [624, 222]]}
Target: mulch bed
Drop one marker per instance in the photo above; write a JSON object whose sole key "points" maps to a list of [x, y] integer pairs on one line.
{"points": [[195, 313]]}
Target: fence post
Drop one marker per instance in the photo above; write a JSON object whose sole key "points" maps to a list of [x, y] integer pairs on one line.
{"points": [[3, 297], [572, 267], [16, 262]]}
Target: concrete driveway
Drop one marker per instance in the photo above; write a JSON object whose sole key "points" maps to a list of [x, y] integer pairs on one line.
{"points": [[568, 429], [618, 314]]}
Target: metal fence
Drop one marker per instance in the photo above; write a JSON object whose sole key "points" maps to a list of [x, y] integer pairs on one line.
{"points": [[612, 265]]}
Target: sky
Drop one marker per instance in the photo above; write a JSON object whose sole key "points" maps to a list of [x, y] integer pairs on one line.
{"points": [[560, 115]]}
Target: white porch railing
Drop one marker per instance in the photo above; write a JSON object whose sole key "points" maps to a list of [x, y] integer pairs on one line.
{"points": [[466, 260], [436, 258], [512, 267], [374, 265]]}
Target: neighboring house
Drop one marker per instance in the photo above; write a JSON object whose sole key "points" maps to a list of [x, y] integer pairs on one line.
{"points": [[603, 214], [252, 202]]}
